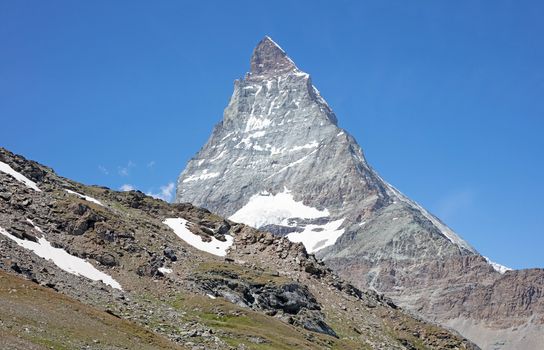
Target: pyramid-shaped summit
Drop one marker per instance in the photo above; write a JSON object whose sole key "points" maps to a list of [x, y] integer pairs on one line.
{"points": [[269, 59], [278, 161]]}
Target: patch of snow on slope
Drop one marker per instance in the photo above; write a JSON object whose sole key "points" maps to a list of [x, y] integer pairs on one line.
{"points": [[317, 237], [204, 176], [497, 267], [248, 139], [87, 198], [300, 74], [215, 247], [5, 168], [267, 209], [164, 270], [254, 123], [274, 150], [312, 144], [63, 260], [33, 225]]}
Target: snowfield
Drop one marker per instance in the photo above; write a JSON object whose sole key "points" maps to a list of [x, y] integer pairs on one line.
{"points": [[317, 237], [215, 247], [268, 209], [281, 209], [63, 260]]}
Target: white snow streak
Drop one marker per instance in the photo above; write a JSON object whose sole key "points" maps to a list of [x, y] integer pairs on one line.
{"points": [[35, 227], [274, 150], [164, 270], [312, 144], [63, 260], [215, 247], [5, 168], [497, 267], [291, 164], [87, 198], [204, 176]]}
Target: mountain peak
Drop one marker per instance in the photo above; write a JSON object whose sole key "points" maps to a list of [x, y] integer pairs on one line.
{"points": [[269, 58]]}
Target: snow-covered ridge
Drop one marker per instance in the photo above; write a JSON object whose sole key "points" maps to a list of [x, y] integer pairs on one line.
{"points": [[87, 198], [215, 247], [497, 267], [6, 168], [62, 259], [281, 209]]}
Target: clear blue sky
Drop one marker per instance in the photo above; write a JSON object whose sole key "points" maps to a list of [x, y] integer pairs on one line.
{"points": [[445, 97]]}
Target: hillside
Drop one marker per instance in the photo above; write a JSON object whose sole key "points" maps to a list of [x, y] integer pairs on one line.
{"points": [[132, 257]]}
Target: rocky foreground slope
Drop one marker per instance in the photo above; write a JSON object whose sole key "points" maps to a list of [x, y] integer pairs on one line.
{"points": [[279, 162], [91, 268]]}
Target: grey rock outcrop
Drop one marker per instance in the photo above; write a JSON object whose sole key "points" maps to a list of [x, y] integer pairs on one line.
{"points": [[278, 161]]}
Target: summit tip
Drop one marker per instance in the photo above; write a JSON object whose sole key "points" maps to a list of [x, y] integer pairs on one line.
{"points": [[269, 58]]}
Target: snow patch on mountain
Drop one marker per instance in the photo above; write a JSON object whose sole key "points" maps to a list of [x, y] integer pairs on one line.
{"points": [[34, 225], [204, 176], [265, 208], [164, 270], [87, 198], [6, 168], [63, 260], [282, 209], [317, 237], [255, 123], [215, 246], [497, 267], [312, 144]]}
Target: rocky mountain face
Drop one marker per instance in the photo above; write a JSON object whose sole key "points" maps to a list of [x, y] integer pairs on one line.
{"points": [[279, 162], [85, 267]]}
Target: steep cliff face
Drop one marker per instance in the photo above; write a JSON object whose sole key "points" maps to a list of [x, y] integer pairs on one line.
{"points": [[279, 162]]}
